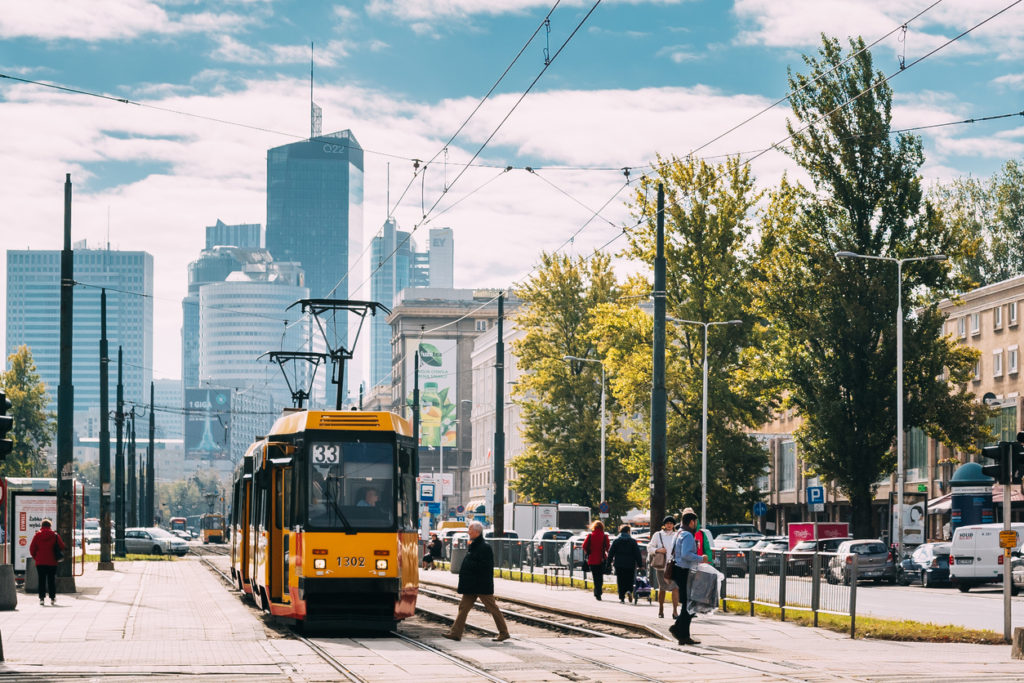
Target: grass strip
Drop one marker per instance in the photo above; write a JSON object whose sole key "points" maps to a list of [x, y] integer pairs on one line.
{"points": [[872, 627]]}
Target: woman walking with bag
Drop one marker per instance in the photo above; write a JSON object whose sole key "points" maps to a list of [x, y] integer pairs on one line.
{"points": [[595, 548], [658, 553], [46, 549], [684, 558]]}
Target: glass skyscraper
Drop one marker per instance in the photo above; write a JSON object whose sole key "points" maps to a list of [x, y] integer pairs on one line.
{"points": [[315, 215], [33, 319]]}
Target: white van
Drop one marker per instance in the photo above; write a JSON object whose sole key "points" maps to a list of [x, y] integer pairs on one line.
{"points": [[975, 557]]}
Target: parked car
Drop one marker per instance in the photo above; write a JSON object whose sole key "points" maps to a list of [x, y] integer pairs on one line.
{"points": [[547, 543], [183, 535], [153, 541], [801, 557], [874, 561], [929, 564], [770, 555], [575, 547]]}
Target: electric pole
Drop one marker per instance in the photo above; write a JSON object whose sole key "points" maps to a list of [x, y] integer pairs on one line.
{"points": [[658, 395], [66, 404], [105, 562]]}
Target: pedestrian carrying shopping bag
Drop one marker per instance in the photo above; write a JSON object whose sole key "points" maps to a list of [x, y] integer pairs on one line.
{"points": [[704, 583]]}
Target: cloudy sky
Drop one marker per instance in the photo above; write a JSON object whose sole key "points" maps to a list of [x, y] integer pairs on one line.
{"points": [[213, 85]]}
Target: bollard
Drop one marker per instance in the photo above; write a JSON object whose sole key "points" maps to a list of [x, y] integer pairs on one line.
{"points": [[1017, 651], [751, 579], [8, 593], [31, 577]]}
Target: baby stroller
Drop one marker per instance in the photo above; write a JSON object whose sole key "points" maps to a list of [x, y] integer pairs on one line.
{"points": [[641, 587]]}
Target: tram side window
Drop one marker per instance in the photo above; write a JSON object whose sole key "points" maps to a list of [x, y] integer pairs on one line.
{"points": [[351, 485], [407, 508]]}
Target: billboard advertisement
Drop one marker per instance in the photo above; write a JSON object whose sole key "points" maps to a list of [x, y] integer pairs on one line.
{"points": [[207, 421], [28, 514], [439, 405], [915, 507]]}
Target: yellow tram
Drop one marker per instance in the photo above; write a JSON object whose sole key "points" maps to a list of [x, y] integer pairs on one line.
{"points": [[212, 526], [324, 521]]}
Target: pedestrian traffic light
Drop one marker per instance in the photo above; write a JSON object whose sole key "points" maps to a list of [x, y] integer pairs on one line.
{"points": [[6, 424], [1009, 461]]}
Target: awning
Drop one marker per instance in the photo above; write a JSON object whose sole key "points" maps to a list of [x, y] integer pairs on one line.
{"points": [[941, 504], [476, 506], [1015, 494]]}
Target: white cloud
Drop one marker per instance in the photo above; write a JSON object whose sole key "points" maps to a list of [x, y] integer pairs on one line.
{"points": [[678, 53], [1012, 81], [420, 10], [188, 172], [232, 50], [99, 20], [800, 23]]}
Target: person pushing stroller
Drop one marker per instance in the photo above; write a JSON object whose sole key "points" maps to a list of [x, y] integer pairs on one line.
{"points": [[625, 557]]}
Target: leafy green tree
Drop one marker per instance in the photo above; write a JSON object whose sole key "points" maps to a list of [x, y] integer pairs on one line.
{"points": [[187, 498], [561, 401], [988, 215], [34, 427], [834, 319], [709, 217]]}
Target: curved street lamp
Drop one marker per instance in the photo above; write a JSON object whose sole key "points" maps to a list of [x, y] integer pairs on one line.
{"points": [[899, 373], [704, 413]]}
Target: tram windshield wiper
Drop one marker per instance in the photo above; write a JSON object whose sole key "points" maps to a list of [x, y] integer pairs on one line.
{"points": [[333, 502]]}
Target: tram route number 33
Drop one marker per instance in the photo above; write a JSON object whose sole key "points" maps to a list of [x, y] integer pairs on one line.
{"points": [[351, 561], [326, 453]]}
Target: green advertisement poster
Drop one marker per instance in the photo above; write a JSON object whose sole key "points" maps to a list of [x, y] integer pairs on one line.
{"points": [[439, 404]]}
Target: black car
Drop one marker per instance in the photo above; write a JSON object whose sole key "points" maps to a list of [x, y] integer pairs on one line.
{"points": [[770, 555], [929, 564]]}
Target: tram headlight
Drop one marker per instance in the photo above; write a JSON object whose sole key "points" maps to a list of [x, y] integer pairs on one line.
{"points": [[319, 563], [382, 564]]}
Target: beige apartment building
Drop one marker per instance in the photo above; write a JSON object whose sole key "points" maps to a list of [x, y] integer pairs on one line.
{"points": [[988, 319]]}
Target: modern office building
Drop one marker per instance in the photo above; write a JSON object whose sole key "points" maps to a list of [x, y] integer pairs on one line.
{"points": [[167, 395], [215, 264], [33, 318], [246, 235], [315, 215], [442, 325], [395, 265]]}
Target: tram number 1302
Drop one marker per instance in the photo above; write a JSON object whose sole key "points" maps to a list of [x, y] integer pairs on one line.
{"points": [[351, 561]]}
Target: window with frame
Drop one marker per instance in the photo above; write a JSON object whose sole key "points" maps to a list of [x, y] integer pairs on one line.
{"points": [[977, 371], [787, 466], [1004, 424], [997, 363], [481, 325], [997, 318], [975, 323], [961, 327], [1011, 313], [1011, 360]]}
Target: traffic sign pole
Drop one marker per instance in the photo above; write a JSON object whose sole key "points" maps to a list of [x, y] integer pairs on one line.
{"points": [[1007, 576]]}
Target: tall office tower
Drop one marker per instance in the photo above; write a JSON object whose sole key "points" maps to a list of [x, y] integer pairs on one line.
{"points": [[33, 318], [315, 215], [213, 265], [393, 275], [442, 258], [245, 316], [245, 235]]}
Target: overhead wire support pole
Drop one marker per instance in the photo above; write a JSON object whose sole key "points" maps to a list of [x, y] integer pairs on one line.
{"points": [[151, 459], [66, 401], [499, 423], [659, 399], [119, 459], [337, 350], [105, 563]]}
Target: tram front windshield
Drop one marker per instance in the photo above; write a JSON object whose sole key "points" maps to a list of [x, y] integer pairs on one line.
{"points": [[351, 485]]}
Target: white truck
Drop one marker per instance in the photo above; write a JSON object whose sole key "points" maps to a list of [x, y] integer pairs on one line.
{"points": [[976, 558], [527, 518]]}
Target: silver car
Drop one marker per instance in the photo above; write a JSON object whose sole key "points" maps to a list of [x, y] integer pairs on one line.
{"points": [[153, 541], [874, 561]]}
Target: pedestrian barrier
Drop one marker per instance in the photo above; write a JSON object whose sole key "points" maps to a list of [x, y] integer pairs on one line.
{"points": [[812, 582]]}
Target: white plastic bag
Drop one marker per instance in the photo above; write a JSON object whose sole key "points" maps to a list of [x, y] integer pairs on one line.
{"points": [[704, 585]]}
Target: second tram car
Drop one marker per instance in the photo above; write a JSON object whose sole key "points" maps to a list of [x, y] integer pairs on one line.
{"points": [[324, 519]]}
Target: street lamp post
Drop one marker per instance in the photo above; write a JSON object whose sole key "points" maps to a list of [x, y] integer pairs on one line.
{"points": [[601, 363], [704, 413], [899, 375]]}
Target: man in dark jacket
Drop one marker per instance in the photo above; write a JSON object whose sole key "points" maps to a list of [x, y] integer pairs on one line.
{"points": [[625, 557], [476, 580]]}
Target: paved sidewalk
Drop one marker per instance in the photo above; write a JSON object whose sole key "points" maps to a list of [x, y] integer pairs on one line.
{"points": [[803, 652], [145, 617]]}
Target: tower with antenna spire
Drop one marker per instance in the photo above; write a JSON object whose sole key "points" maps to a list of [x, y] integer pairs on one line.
{"points": [[316, 114]]}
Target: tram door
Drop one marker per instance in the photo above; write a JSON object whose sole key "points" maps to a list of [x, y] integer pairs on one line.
{"points": [[279, 519]]}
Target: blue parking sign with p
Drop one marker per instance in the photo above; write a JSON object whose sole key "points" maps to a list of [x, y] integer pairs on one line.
{"points": [[815, 495]]}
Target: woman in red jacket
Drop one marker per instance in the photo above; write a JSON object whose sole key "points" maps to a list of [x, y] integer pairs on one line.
{"points": [[42, 551], [595, 547]]}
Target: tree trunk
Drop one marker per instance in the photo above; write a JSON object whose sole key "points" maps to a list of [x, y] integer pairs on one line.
{"points": [[862, 519]]}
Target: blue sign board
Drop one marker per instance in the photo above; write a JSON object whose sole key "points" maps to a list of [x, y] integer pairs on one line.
{"points": [[760, 509], [460, 509], [815, 495], [434, 508], [603, 508], [427, 493]]}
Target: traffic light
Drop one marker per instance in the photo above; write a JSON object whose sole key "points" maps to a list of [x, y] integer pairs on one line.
{"points": [[1009, 461], [6, 424]]}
